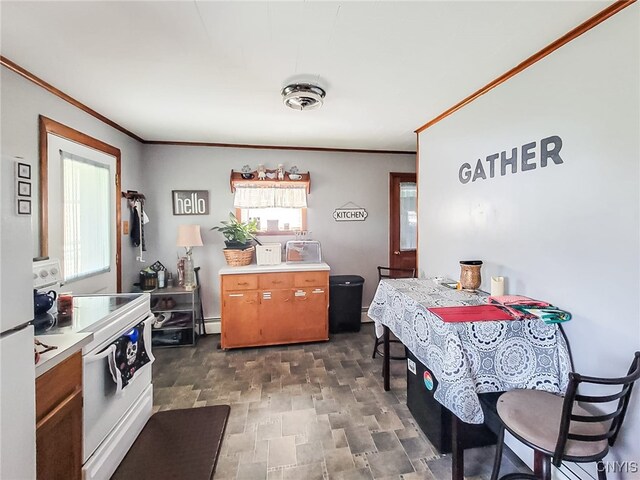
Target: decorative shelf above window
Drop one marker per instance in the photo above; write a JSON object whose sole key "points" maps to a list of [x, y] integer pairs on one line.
{"points": [[271, 180]]}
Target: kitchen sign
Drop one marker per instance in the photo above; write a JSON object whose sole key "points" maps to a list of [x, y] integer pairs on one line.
{"points": [[190, 202], [357, 214]]}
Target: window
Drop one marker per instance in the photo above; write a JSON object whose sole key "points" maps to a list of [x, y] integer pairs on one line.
{"points": [[275, 220], [86, 217], [278, 209], [408, 216]]}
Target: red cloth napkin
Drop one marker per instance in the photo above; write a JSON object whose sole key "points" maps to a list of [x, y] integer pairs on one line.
{"points": [[471, 313]]}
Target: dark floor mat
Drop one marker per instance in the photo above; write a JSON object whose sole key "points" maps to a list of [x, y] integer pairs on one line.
{"points": [[177, 444]]}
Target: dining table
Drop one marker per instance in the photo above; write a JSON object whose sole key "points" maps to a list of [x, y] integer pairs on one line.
{"points": [[468, 358]]}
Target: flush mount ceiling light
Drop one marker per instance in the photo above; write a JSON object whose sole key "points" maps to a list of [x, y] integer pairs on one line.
{"points": [[303, 96]]}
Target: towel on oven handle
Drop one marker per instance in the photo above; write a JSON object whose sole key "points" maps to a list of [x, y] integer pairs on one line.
{"points": [[126, 355]]}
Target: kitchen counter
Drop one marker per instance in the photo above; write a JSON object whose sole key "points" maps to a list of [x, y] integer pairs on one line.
{"points": [[281, 268], [67, 343]]}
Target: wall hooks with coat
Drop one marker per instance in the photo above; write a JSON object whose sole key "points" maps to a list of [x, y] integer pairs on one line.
{"points": [[139, 219]]}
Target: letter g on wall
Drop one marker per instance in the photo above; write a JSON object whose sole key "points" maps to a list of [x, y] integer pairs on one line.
{"points": [[464, 174]]}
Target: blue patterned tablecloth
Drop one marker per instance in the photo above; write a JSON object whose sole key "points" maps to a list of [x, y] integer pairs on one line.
{"points": [[470, 357]]}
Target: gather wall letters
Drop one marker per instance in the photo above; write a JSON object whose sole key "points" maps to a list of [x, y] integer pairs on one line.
{"points": [[549, 149]]}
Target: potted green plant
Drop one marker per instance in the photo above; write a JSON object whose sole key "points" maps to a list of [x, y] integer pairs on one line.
{"points": [[237, 234]]}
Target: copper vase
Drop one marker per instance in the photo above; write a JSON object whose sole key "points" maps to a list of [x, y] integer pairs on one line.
{"points": [[470, 278]]}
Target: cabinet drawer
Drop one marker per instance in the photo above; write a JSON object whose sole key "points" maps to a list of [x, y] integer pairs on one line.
{"points": [[57, 384], [310, 279], [275, 280], [239, 282]]}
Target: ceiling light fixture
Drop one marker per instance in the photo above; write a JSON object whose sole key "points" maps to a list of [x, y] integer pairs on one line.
{"points": [[303, 96]]}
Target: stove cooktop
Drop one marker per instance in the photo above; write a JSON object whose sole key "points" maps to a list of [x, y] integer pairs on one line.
{"points": [[88, 313]]}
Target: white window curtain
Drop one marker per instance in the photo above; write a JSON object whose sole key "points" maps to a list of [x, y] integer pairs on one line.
{"points": [[87, 212], [270, 197]]}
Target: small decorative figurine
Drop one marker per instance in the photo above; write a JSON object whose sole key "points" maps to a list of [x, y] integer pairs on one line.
{"points": [[280, 172], [262, 173]]}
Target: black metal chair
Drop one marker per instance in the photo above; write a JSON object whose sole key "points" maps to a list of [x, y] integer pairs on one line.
{"points": [[572, 428], [387, 272]]}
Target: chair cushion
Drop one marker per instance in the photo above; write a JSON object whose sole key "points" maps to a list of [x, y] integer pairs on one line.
{"points": [[534, 415]]}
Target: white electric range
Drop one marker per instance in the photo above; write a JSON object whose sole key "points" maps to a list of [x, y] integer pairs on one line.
{"points": [[111, 420]]}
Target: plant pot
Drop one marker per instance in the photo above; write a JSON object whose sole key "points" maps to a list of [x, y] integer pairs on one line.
{"points": [[238, 258]]}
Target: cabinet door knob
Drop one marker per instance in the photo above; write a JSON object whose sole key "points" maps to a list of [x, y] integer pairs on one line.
{"points": [[396, 252]]}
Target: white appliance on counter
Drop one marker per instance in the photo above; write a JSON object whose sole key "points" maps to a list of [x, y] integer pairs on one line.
{"points": [[17, 366], [112, 420]]}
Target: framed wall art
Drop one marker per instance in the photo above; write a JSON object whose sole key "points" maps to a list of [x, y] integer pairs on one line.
{"points": [[24, 207], [23, 170], [24, 189]]}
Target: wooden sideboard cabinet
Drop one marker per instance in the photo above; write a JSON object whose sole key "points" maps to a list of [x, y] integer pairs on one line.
{"points": [[274, 308], [59, 421]]}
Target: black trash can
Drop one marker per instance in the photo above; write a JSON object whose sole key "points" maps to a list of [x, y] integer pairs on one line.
{"points": [[345, 303]]}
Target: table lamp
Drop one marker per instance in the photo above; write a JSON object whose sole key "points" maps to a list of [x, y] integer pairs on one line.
{"points": [[189, 237]]}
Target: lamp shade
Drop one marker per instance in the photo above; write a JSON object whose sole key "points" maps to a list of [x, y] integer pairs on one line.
{"points": [[189, 236]]}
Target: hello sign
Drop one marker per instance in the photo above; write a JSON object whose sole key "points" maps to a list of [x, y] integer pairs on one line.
{"points": [[190, 202]]}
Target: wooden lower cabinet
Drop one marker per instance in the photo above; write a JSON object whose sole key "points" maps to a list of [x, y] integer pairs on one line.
{"points": [[59, 421], [241, 308], [280, 308]]}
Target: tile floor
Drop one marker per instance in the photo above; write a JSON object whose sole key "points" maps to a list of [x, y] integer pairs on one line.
{"points": [[306, 412]]}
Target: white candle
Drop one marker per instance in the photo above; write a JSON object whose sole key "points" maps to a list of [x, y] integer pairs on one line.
{"points": [[497, 286]]}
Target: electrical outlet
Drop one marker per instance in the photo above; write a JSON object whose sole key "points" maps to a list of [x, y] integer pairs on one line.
{"points": [[125, 227]]}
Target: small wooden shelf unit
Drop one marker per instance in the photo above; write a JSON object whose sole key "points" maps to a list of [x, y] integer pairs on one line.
{"points": [[237, 180], [274, 308]]}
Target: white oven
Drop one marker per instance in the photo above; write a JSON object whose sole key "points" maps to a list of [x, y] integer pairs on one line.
{"points": [[112, 420]]}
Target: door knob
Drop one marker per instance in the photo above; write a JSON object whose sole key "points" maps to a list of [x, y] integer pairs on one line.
{"points": [[396, 253]]}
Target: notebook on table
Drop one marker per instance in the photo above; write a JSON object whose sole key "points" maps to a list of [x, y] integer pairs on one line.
{"points": [[471, 313]]}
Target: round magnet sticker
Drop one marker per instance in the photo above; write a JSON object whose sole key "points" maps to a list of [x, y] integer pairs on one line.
{"points": [[428, 380]]}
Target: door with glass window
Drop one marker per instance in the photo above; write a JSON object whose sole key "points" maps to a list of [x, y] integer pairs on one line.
{"points": [[403, 238], [82, 215]]}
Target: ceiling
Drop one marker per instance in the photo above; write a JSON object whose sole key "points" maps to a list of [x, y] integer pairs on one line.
{"points": [[212, 71]]}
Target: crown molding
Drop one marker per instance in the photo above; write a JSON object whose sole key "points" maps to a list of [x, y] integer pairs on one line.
{"points": [[68, 98], [536, 57], [278, 147]]}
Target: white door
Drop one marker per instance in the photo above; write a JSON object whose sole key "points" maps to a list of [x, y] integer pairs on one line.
{"points": [[82, 216]]}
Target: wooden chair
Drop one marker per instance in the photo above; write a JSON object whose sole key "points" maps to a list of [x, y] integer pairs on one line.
{"points": [[561, 428], [387, 272]]}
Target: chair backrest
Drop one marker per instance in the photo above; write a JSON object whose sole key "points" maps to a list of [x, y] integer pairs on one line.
{"points": [[387, 272], [623, 385]]}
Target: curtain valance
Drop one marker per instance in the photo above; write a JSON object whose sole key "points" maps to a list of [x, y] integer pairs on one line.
{"points": [[270, 197]]}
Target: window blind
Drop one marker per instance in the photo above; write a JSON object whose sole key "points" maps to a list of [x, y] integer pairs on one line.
{"points": [[86, 217]]}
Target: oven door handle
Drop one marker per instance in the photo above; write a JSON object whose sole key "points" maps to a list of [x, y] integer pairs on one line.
{"points": [[146, 334], [99, 356]]}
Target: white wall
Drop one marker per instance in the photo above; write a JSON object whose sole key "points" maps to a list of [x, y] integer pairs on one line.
{"points": [[22, 102], [354, 248], [568, 233]]}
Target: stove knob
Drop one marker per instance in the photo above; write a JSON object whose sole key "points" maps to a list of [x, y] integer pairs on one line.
{"points": [[35, 276], [54, 271], [44, 274]]}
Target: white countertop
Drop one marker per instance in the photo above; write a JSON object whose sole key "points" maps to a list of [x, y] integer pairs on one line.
{"points": [[283, 267], [67, 343]]}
